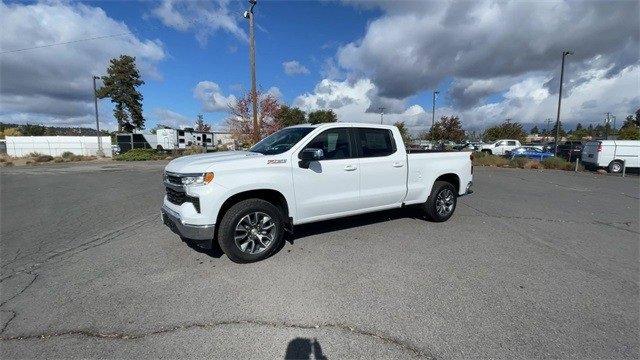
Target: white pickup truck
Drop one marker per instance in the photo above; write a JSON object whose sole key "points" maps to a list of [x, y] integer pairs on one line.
{"points": [[500, 147], [247, 200]]}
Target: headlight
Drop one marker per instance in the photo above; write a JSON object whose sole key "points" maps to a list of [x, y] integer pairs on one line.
{"points": [[197, 179]]}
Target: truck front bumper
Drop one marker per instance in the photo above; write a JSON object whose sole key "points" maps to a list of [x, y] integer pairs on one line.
{"points": [[189, 231]]}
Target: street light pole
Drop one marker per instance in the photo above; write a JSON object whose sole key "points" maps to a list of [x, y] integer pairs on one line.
{"points": [[252, 64], [564, 54], [381, 113], [95, 104], [433, 111]]}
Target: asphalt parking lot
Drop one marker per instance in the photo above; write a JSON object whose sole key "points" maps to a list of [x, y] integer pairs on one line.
{"points": [[533, 265]]}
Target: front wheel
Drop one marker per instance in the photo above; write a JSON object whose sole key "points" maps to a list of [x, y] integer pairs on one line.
{"points": [[251, 230], [442, 202]]}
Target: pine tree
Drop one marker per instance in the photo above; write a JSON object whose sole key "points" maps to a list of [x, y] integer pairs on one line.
{"points": [[120, 85]]}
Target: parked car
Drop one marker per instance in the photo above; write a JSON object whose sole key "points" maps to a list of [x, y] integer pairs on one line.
{"points": [[529, 152], [570, 150], [500, 147], [611, 154], [303, 174]]}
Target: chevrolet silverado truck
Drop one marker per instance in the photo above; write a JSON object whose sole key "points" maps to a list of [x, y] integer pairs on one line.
{"points": [[247, 200]]}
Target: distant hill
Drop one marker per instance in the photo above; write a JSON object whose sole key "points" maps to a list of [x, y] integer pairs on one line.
{"points": [[44, 130]]}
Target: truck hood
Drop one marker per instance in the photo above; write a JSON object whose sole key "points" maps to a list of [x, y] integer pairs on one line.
{"points": [[204, 162]]}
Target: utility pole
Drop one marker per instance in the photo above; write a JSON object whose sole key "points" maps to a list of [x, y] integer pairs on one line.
{"points": [[252, 65], [95, 104], [607, 121], [548, 130], [564, 54], [381, 113], [433, 111]]}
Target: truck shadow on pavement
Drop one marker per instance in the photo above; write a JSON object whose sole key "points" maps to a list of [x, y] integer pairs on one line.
{"points": [[327, 226], [302, 231], [302, 348]]}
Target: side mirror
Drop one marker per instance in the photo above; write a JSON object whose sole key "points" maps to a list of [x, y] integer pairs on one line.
{"points": [[308, 155]]}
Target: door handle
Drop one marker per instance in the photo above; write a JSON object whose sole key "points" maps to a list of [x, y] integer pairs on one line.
{"points": [[398, 164], [349, 168]]}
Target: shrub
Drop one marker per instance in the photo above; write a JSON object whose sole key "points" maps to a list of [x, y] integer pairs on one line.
{"points": [[557, 163], [2, 159], [7, 163], [532, 164], [490, 160], [34, 154], [43, 158], [193, 150], [139, 155], [67, 155], [517, 162]]}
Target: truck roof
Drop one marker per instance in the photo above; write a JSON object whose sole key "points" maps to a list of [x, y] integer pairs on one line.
{"points": [[345, 124]]}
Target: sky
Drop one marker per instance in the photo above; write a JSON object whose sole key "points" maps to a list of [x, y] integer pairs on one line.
{"points": [[489, 60]]}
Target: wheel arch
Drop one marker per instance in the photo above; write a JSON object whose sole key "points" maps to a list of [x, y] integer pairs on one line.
{"points": [[273, 196], [451, 178]]}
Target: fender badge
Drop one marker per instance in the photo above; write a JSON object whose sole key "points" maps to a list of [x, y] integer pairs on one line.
{"points": [[276, 161]]}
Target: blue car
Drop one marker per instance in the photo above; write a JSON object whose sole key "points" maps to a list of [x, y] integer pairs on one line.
{"points": [[530, 153]]}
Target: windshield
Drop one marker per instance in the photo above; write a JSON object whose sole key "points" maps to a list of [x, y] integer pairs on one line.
{"points": [[281, 141]]}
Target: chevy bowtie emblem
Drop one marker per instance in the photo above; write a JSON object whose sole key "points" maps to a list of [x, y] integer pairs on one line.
{"points": [[276, 161]]}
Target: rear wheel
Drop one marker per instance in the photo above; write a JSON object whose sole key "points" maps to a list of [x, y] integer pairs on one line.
{"points": [[442, 202], [615, 167], [488, 152], [251, 230]]}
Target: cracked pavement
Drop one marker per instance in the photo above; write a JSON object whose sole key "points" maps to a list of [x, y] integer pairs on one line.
{"points": [[533, 265]]}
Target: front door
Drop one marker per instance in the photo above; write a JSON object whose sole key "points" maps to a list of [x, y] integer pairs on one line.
{"points": [[329, 186]]}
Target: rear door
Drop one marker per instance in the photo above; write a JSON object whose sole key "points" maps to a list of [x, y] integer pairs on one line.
{"points": [[329, 186], [383, 168]]}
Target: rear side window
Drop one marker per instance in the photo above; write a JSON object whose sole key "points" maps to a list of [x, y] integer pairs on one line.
{"points": [[511, 143], [334, 143], [375, 142]]}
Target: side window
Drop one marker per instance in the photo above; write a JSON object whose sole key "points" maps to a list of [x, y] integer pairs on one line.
{"points": [[333, 142], [375, 142], [511, 143]]}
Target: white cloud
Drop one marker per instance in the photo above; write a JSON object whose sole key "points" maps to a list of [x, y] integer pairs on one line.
{"points": [[351, 100], [293, 67], [414, 47], [211, 98], [528, 101], [171, 118], [53, 84], [204, 18]]}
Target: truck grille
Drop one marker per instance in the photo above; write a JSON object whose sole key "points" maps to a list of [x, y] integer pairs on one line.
{"points": [[179, 198], [176, 197], [174, 179]]}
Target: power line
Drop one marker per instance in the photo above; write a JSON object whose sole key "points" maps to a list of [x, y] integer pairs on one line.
{"points": [[63, 43]]}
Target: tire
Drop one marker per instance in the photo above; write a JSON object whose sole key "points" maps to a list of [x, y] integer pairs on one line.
{"points": [[488, 152], [615, 167], [432, 206], [242, 216]]}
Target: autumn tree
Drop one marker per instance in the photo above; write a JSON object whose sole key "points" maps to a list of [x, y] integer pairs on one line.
{"points": [[404, 132], [447, 128], [535, 130], [201, 125], [322, 116], [505, 130], [120, 85], [240, 118], [289, 116]]}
